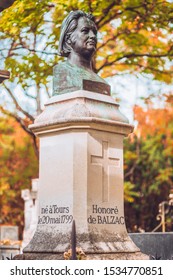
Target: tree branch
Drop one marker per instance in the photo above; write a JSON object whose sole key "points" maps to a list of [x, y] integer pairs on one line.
{"points": [[24, 127], [130, 172], [29, 49], [47, 91], [29, 95], [110, 39], [109, 19], [18, 107], [106, 11], [154, 69], [132, 55]]}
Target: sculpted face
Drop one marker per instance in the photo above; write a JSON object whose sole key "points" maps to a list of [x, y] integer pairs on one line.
{"points": [[83, 39]]}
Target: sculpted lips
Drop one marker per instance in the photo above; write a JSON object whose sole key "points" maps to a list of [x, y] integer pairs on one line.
{"points": [[92, 42]]}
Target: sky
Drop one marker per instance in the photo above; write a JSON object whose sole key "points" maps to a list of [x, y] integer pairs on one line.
{"points": [[133, 89]]}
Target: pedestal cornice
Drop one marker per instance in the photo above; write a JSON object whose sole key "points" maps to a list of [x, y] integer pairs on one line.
{"points": [[81, 110]]}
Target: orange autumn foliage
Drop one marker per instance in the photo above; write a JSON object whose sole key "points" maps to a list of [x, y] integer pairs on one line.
{"points": [[18, 165], [154, 120], [148, 164]]}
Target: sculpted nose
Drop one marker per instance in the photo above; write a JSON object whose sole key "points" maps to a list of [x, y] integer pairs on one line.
{"points": [[92, 34]]}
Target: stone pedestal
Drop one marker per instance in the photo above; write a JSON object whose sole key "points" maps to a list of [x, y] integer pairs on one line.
{"points": [[81, 178]]}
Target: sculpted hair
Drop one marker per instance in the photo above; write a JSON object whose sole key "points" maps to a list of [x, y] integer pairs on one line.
{"points": [[68, 26]]}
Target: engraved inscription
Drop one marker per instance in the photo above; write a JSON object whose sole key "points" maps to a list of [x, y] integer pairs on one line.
{"points": [[96, 87], [105, 161], [102, 215], [54, 214]]}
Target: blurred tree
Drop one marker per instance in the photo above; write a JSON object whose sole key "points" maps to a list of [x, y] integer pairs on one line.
{"points": [[133, 36], [18, 165], [149, 163]]}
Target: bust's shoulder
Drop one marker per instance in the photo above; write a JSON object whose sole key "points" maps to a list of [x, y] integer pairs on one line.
{"points": [[66, 78], [70, 77], [63, 66]]}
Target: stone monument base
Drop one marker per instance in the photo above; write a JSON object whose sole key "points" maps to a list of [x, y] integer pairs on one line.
{"points": [[81, 179], [102, 256]]}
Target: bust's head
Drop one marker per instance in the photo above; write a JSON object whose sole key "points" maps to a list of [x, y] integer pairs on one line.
{"points": [[78, 35]]}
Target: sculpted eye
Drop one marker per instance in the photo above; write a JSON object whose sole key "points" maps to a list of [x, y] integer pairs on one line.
{"points": [[85, 30]]}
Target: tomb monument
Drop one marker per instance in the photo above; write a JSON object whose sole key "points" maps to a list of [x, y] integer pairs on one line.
{"points": [[81, 133]]}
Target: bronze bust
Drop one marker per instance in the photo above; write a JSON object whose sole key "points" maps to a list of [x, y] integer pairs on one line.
{"points": [[78, 39]]}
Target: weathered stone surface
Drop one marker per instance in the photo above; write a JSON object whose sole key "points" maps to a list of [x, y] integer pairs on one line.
{"points": [[39, 256], [81, 178], [95, 256], [82, 108]]}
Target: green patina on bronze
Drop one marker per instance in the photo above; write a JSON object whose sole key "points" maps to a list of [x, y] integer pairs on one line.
{"points": [[68, 78], [77, 42]]}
